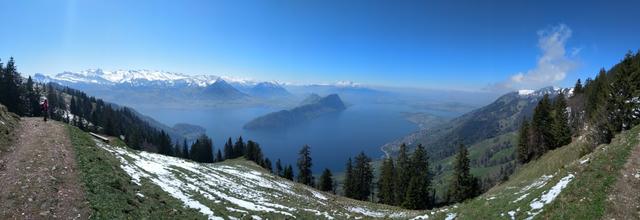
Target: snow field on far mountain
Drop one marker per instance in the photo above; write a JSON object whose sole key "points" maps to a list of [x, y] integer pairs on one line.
{"points": [[238, 188]]}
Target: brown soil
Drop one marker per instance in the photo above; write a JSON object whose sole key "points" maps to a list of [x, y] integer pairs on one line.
{"points": [[624, 199], [38, 177]]}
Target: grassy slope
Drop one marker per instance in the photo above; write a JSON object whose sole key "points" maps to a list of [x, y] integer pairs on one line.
{"points": [[111, 193], [8, 123], [475, 152], [583, 198]]}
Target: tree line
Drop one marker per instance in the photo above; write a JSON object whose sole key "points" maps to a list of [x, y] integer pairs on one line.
{"points": [[602, 107], [405, 181], [548, 129]]}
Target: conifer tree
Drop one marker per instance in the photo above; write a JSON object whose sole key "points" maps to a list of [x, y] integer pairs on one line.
{"points": [[404, 176], [267, 165], [33, 97], [228, 150], [202, 150], [219, 157], [542, 122], [239, 148], [304, 166], [326, 181], [288, 173], [164, 146], [417, 195], [279, 168], [387, 181], [577, 89], [348, 184], [362, 177], [523, 143], [463, 185], [185, 149], [10, 94], [561, 129]]}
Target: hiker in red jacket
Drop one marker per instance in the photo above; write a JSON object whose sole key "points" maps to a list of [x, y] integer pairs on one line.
{"points": [[44, 107]]}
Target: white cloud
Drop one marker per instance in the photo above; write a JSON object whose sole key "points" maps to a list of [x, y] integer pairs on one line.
{"points": [[553, 64]]}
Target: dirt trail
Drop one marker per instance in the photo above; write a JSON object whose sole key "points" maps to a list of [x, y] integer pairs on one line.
{"points": [[38, 178], [624, 199]]}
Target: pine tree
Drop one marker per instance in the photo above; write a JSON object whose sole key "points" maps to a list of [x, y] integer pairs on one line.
{"points": [[250, 152], [577, 89], [621, 107], [463, 185], [185, 149], [164, 146], [267, 165], [386, 183], [561, 129], [33, 97], [417, 195], [279, 168], [404, 176], [239, 148], [542, 122], [202, 150], [304, 166], [228, 150], [349, 180], [523, 143], [11, 82], [326, 181], [219, 157], [363, 177], [288, 173]]}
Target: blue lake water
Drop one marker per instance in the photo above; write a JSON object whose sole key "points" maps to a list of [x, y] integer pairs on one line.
{"points": [[333, 138]]}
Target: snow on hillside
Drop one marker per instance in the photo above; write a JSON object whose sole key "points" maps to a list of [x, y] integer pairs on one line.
{"points": [[240, 189], [547, 90], [525, 91]]}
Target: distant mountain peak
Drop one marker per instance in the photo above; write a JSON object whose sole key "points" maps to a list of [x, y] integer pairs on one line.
{"points": [[551, 90], [140, 77]]}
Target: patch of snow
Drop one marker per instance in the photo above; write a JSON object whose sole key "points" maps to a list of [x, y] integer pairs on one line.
{"points": [[319, 213], [366, 212], [2, 122], [425, 216], [520, 198], [451, 216], [525, 92], [512, 214], [237, 188], [584, 161], [140, 195], [548, 197], [539, 183], [318, 195], [236, 210], [491, 198]]}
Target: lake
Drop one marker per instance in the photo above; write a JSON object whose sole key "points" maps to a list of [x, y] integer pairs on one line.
{"points": [[333, 138]]}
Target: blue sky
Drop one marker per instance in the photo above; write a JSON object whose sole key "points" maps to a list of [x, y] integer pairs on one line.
{"points": [[471, 45]]}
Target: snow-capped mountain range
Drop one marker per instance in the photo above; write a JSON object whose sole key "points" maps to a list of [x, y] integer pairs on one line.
{"points": [[140, 78], [161, 78]]}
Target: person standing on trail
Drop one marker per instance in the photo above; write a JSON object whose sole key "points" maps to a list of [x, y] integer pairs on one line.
{"points": [[44, 107]]}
